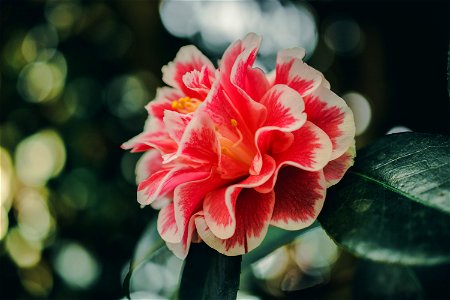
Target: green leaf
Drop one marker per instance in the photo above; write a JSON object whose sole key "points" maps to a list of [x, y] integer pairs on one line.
{"points": [[208, 274], [384, 281], [394, 204]]}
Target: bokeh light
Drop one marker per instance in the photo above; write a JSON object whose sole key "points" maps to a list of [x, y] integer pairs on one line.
{"points": [[40, 157], [76, 266], [343, 35], [37, 280], [33, 216], [362, 111], [23, 252]]}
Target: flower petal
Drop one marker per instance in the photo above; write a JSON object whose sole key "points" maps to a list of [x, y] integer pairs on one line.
{"points": [[148, 163], [188, 59], [181, 249], [243, 84], [292, 71], [199, 142], [328, 111], [219, 205], [299, 198], [335, 169], [153, 136], [284, 108], [284, 114], [188, 198], [310, 151], [164, 181], [167, 225], [199, 81], [176, 124], [253, 214], [163, 101]]}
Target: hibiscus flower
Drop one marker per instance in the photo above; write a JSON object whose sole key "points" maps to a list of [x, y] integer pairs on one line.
{"points": [[234, 150]]}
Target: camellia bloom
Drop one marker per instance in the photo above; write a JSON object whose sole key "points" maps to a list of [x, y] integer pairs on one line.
{"points": [[234, 150]]}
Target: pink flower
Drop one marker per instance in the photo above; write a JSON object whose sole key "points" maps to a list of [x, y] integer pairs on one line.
{"points": [[232, 151]]}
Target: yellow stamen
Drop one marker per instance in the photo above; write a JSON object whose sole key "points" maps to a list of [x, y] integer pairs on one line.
{"points": [[186, 105], [234, 123]]}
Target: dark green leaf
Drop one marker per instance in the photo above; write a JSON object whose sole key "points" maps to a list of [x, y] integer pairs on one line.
{"points": [[394, 204], [383, 281], [208, 274]]}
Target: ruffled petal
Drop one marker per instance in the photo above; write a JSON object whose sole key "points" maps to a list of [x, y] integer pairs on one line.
{"points": [[284, 114], [199, 81], [292, 71], [310, 151], [181, 249], [167, 225], [243, 84], [253, 214], [153, 136], [176, 124], [188, 198], [188, 59], [219, 205], [199, 143], [299, 198], [148, 163], [335, 169], [165, 181], [328, 111], [163, 101]]}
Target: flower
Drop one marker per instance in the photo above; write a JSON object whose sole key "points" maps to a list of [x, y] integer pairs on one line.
{"points": [[229, 152]]}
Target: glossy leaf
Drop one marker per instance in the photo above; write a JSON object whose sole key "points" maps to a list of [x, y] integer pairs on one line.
{"points": [[384, 281], [394, 204]]}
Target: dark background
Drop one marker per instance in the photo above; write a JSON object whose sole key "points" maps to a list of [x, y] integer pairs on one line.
{"points": [[400, 67]]}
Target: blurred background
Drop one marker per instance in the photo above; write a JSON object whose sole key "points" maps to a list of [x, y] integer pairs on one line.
{"points": [[75, 76]]}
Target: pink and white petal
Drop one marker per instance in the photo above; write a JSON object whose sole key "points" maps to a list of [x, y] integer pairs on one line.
{"points": [[250, 82], [165, 181], [181, 248], [188, 58], [330, 112], [148, 163], [286, 55], [335, 169], [242, 83], [198, 81], [222, 111], [270, 141], [284, 114], [253, 214], [199, 142], [167, 226], [163, 101], [311, 149], [299, 198], [292, 71], [153, 136], [285, 108], [188, 197], [219, 205], [176, 124]]}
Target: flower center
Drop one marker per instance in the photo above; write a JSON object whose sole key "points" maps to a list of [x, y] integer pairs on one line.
{"points": [[236, 149], [186, 104]]}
